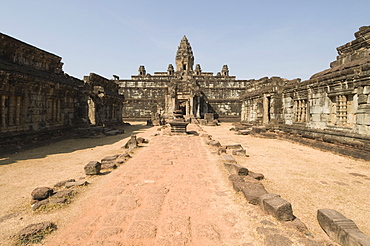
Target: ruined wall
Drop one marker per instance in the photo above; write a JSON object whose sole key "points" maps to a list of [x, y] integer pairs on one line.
{"points": [[105, 103], [335, 100], [222, 94], [263, 101], [142, 97], [35, 94], [20, 53]]}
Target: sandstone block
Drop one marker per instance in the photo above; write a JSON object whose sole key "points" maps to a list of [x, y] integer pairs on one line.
{"points": [[109, 158], [244, 132], [214, 143], [239, 152], [141, 140], [92, 168], [278, 207], [228, 158], [258, 129], [342, 230], [258, 176], [38, 204], [362, 99], [62, 183], [221, 150], [63, 193], [58, 201], [234, 146], [252, 192], [264, 197], [77, 183], [41, 193], [36, 231], [108, 165], [131, 143], [236, 169]]}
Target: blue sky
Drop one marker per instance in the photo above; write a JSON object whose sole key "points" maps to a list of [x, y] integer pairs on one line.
{"points": [[287, 38]]}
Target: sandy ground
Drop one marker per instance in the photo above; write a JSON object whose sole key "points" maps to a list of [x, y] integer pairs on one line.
{"points": [[310, 179], [45, 166]]}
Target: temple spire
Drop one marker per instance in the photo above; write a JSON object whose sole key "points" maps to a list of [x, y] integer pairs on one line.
{"points": [[184, 56]]}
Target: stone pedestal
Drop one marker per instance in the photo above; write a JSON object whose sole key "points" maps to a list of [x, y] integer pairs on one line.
{"points": [[178, 125]]}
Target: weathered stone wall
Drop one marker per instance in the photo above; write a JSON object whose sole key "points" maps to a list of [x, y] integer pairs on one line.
{"points": [[20, 53], [335, 100], [144, 96], [105, 103], [35, 94]]}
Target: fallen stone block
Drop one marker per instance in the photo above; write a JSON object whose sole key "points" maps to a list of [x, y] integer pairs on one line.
{"points": [[214, 143], [221, 150], [252, 192], [131, 143], [63, 193], [228, 158], [109, 158], [264, 197], [237, 182], [141, 140], [34, 233], [92, 168], [38, 204], [234, 146], [298, 225], [58, 201], [234, 168], [41, 193], [108, 165], [244, 132], [278, 207], [342, 230], [258, 176], [62, 183], [258, 129], [239, 152], [125, 154], [77, 183]]}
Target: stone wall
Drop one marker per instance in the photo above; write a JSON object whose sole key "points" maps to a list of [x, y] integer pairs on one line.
{"points": [[104, 103], [333, 105], [35, 94]]}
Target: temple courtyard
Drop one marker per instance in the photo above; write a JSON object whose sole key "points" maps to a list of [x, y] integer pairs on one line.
{"points": [[175, 190]]}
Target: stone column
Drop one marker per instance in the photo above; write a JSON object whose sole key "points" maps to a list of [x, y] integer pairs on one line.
{"points": [[265, 117], [11, 110], [198, 108], [17, 111], [188, 109], [57, 111], [3, 112]]}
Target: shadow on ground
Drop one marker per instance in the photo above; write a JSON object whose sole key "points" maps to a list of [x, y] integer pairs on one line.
{"points": [[71, 145]]}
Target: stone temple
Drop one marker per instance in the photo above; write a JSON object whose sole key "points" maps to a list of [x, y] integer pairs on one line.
{"points": [[184, 87], [39, 100]]}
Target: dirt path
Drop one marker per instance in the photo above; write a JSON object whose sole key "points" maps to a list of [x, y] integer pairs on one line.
{"points": [[175, 191], [309, 178]]}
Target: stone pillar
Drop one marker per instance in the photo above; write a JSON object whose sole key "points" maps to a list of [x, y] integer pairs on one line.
{"points": [[188, 108], [17, 111], [11, 110], [198, 108], [57, 111], [265, 117], [3, 112]]}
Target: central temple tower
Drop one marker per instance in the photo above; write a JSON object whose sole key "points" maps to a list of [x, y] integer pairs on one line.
{"points": [[184, 56]]}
